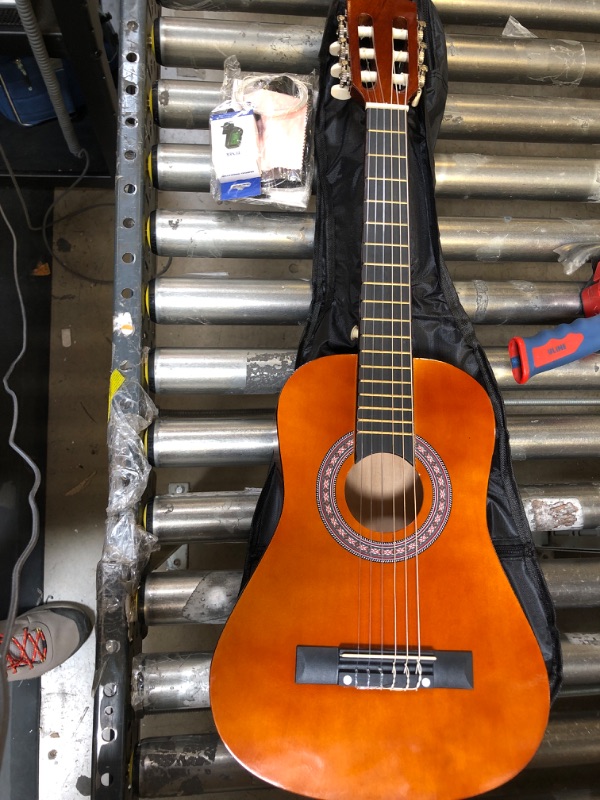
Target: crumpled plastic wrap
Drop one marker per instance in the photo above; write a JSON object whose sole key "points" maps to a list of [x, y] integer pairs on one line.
{"points": [[564, 66], [126, 542], [127, 545], [514, 30], [574, 256]]}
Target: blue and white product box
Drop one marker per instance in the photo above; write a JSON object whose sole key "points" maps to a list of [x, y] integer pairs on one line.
{"points": [[235, 155]]}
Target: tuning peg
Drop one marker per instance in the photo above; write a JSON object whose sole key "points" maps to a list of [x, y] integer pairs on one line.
{"points": [[335, 49], [336, 70], [340, 92], [416, 98]]}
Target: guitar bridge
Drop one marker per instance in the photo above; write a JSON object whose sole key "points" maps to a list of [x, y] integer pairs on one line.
{"points": [[384, 669]]}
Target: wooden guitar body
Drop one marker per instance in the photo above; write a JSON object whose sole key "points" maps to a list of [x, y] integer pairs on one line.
{"points": [[313, 589]]}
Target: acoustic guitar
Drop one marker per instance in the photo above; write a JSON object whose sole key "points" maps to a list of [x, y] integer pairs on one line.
{"points": [[378, 651]]}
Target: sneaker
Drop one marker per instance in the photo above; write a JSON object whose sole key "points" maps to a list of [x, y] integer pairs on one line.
{"points": [[45, 637]]}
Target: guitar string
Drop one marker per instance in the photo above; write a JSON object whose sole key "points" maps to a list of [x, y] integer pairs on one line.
{"points": [[396, 96], [418, 666], [373, 93], [366, 331], [379, 238]]}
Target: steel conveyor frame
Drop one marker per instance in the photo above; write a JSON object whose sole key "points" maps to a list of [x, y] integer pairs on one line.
{"points": [[118, 633]]}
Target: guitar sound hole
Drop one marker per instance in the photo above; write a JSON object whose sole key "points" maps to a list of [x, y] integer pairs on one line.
{"points": [[383, 492]]}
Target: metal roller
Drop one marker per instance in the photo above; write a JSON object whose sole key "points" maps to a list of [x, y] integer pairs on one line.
{"points": [[259, 302], [581, 660], [509, 60], [469, 175], [189, 42], [224, 234], [180, 167], [187, 104], [184, 765], [170, 682], [264, 47], [206, 597], [569, 743], [201, 517], [180, 681], [172, 598], [554, 437], [220, 372], [186, 167], [502, 302], [573, 583], [209, 301], [562, 507], [227, 516], [521, 119], [577, 15], [214, 441], [183, 104], [244, 440], [230, 234], [239, 371], [581, 374]]}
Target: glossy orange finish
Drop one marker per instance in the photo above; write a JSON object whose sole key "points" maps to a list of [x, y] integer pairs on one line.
{"points": [[372, 744]]}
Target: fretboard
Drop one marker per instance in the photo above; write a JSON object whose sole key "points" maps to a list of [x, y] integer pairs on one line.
{"points": [[384, 420]]}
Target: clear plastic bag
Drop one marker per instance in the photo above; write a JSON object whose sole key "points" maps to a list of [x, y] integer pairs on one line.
{"points": [[261, 136]]}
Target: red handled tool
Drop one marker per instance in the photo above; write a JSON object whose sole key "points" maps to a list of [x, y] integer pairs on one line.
{"points": [[553, 348]]}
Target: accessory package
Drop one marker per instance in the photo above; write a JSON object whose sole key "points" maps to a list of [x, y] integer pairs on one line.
{"points": [[261, 138], [441, 329]]}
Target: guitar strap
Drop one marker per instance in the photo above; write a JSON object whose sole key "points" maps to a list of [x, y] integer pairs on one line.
{"points": [[441, 329]]}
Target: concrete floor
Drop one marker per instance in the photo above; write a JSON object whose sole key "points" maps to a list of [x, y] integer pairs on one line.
{"points": [[77, 477]]}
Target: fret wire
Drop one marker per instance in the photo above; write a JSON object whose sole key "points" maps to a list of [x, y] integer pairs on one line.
{"points": [[382, 319], [380, 155], [386, 336], [387, 223], [388, 264], [395, 396], [385, 352], [390, 203], [382, 366], [379, 130], [390, 244], [385, 433], [395, 423], [384, 283], [387, 180], [385, 408]]}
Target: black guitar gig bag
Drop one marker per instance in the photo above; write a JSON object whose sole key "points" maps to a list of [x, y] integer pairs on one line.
{"points": [[441, 329]]}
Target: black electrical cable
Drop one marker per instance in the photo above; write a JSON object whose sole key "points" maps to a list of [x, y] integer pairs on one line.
{"points": [[46, 224]]}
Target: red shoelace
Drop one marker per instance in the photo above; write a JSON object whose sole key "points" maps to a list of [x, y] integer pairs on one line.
{"points": [[27, 650]]}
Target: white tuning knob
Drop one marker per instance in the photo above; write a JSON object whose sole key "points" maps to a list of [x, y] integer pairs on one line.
{"points": [[334, 49], [336, 70], [340, 92]]}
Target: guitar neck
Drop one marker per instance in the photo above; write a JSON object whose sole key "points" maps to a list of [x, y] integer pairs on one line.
{"points": [[384, 420]]}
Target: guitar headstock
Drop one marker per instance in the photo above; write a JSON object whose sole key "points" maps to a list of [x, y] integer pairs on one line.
{"points": [[381, 53]]}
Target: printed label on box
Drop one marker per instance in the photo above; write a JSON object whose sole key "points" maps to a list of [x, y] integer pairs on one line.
{"points": [[234, 144]]}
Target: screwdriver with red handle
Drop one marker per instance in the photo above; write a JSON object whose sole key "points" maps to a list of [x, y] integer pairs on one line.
{"points": [[552, 348]]}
